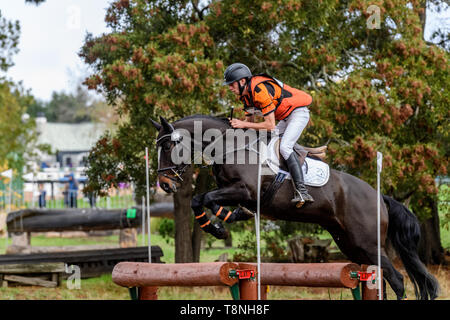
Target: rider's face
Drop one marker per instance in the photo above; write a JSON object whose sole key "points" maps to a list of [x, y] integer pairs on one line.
{"points": [[234, 87]]}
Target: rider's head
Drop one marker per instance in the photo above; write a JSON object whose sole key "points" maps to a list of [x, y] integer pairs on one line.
{"points": [[236, 76]]}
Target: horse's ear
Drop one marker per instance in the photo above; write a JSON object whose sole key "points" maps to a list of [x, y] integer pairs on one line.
{"points": [[166, 125], [156, 124]]}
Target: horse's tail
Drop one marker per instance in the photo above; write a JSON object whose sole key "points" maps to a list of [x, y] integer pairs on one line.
{"points": [[404, 233]]}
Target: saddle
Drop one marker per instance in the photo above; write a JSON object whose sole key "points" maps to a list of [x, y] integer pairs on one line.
{"points": [[316, 171], [303, 152]]}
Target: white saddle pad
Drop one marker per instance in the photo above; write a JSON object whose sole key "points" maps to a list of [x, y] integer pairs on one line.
{"points": [[315, 172]]}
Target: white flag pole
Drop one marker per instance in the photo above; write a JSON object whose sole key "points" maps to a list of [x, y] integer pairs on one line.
{"points": [[10, 194], [258, 226], [379, 168], [148, 207], [143, 213]]}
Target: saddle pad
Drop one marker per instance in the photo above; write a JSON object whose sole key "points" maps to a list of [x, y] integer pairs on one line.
{"points": [[315, 172]]}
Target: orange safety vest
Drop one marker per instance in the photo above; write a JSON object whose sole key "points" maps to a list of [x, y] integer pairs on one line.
{"points": [[285, 98]]}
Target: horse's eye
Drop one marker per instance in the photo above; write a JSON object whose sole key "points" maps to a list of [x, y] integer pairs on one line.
{"points": [[166, 146]]}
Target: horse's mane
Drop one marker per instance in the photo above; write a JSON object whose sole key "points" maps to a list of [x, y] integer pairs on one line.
{"points": [[223, 121]]}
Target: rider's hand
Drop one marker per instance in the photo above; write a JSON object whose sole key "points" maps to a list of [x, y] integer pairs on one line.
{"points": [[237, 124]]}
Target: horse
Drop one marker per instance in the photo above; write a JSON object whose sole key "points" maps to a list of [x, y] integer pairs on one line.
{"points": [[345, 206]]}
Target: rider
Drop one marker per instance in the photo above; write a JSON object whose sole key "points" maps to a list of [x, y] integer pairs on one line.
{"points": [[276, 101]]}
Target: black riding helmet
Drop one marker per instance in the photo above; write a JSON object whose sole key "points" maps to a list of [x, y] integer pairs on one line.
{"points": [[236, 72]]}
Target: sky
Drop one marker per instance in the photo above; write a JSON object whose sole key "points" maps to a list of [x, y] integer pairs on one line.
{"points": [[53, 33], [50, 38]]}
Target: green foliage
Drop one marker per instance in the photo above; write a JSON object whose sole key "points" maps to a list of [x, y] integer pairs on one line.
{"points": [[9, 39], [68, 108], [444, 206], [17, 136], [74, 107], [274, 239], [167, 229]]}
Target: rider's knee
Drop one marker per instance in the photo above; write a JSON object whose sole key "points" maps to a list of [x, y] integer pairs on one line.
{"points": [[285, 150]]}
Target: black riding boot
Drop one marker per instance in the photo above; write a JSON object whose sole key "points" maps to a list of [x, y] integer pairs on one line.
{"points": [[301, 193]]}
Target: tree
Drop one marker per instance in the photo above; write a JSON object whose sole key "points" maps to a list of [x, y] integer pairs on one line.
{"points": [[17, 134], [9, 39], [375, 89], [68, 107], [156, 61]]}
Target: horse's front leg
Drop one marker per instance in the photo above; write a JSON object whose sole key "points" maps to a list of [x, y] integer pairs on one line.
{"points": [[231, 195], [217, 230]]}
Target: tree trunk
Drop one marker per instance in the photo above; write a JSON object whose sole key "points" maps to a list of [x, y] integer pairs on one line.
{"points": [[430, 248], [182, 212], [196, 240], [201, 186]]}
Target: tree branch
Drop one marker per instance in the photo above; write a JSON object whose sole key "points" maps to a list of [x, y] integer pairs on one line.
{"points": [[199, 12]]}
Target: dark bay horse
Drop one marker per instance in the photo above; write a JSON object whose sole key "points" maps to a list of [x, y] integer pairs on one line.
{"points": [[345, 206]]}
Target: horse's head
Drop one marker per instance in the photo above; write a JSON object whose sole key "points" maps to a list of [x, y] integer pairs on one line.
{"points": [[169, 173]]}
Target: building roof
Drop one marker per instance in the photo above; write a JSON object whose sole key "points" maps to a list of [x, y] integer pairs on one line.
{"points": [[70, 137]]}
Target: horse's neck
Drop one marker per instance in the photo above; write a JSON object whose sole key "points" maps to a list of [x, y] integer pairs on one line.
{"points": [[198, 126]]}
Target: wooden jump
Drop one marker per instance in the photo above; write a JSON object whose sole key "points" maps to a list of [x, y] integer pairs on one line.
{"points": [[240, 277], [142, 274]]}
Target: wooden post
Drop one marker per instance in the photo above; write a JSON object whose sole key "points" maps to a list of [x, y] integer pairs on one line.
{"points": [[367, 293], [248, 288], [21, 238], [148, 293], [128, 238]]}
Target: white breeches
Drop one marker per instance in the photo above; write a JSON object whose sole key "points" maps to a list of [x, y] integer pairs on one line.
{"points": [[291, 128]]}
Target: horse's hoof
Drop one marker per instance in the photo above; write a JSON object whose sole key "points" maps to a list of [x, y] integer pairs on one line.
{"points": [[220, 232], [244, 213]]}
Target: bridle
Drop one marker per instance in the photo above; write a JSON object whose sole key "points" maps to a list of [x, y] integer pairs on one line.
{"points": [[177, 170]]}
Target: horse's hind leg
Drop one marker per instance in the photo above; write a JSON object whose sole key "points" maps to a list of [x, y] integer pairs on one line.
{"points": [[392, 276], [364, 254]]}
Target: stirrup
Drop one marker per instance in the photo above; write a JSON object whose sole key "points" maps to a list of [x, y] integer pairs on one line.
{"points": [[302, 198], [298, 198]]}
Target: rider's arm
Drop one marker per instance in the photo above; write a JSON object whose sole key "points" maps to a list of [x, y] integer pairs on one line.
{"points": [[268, 123], [264, 100], [249, 116]]}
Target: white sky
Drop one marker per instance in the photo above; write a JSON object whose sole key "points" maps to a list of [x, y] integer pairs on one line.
{"points": [[50, 38], [53, 33]]}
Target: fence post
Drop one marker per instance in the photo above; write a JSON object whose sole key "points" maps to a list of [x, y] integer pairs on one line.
{"points": [[368, 293]]}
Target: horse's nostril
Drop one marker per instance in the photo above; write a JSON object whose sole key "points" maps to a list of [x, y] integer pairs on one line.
{"points": [[165, 187]]}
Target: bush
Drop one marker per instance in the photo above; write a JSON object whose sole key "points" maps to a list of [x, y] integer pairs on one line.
{"points": [[274, 237]]}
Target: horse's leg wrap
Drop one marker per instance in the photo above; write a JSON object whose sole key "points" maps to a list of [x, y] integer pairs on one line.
{"points": [[217, 230], [211, 199], [228, 216], [222, 213]]}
